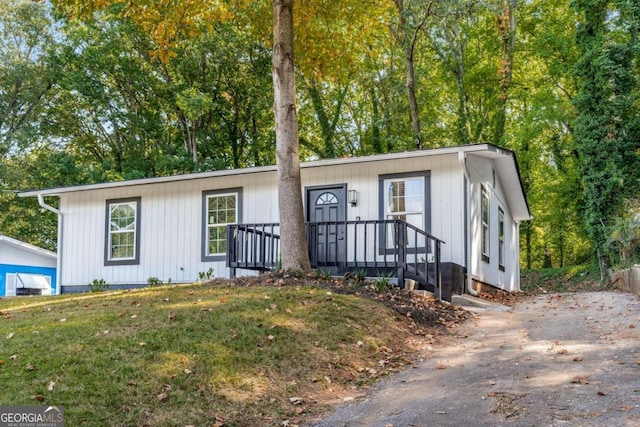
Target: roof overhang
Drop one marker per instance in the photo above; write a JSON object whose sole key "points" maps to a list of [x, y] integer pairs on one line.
{"points": [[505, 161], [27, 247], [506, 166]]}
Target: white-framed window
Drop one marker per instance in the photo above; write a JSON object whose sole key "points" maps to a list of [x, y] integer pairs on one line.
{"points": [[220, 209], [501, 239], [484, 213], [405, 198], [122, 241]]}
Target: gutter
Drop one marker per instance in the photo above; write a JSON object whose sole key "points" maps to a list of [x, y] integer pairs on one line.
{"points": [[462, 159], [44, 205]]}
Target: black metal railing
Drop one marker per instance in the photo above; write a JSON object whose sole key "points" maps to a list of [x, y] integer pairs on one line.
{"points": [[389, 247], [253, 246]]}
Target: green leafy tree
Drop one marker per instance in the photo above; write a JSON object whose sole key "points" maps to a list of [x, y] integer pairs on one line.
{"points": [[25, 34], [606, 126]]}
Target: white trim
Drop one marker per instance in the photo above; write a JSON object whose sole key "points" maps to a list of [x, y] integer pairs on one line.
{"points": [[219, 224], [112, 207]]}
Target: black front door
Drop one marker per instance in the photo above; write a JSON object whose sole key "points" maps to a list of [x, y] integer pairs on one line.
{"points": [[326, 213]]}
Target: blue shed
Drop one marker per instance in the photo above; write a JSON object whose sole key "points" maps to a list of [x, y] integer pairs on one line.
{"points": [[26, 269]]}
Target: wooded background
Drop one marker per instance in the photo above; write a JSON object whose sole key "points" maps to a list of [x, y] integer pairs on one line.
{"points": [[102, 90]]}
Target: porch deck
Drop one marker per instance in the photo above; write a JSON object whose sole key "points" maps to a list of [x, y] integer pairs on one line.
{"points": [[379, 247]]}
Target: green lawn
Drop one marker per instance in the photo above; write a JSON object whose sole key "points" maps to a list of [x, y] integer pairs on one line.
{"points": [[190, 355]]}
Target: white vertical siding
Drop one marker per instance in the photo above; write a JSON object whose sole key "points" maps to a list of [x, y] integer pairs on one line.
{"points": [[481, 170], [171, 217]]}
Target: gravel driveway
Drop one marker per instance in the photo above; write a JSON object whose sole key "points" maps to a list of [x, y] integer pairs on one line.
{"points": [[553, 360]]}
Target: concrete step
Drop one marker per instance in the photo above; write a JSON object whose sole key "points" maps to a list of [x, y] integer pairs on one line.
{"points": [[469, 301]]}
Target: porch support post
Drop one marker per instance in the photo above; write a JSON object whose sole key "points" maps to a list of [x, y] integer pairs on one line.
{"points": [[401, 276]]}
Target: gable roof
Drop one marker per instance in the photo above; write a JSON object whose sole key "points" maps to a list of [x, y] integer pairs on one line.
{"points": [[505, 160], [15, 243]]}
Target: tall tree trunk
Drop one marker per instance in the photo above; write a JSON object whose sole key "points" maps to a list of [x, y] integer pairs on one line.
{"points": [[293, 239], [376, 139], [413, 100], [507, 25], [457, 46], [327, 125], [406, 36]]}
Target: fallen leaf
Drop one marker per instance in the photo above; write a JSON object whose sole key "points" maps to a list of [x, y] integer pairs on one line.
{"points": [[187, 371], [602, 393], [161, 396], [563, 351], [134, 316], [579, 380], [166, 387], [63, 320], [51, 385], [577, 359], [172, 315], [271, 338], [38, 397], [295, 400], [142, 344], [13, 357], [132, 383], [632, 326], [30, 367], [10, 335], [441, 366]]}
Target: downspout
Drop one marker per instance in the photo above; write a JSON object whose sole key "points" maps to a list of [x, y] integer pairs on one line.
{"points": [[518, 252], [42, 204], [462, 159]]}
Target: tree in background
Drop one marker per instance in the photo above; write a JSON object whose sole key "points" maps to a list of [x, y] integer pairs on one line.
{"points": [[117, 112], [606, 129], [24, 80]]}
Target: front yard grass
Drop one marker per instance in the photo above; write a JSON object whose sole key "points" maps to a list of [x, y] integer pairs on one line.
{"points": [[194, 355]]}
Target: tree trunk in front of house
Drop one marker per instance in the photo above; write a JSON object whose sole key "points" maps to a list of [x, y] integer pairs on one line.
{"points": [[293, 239]]}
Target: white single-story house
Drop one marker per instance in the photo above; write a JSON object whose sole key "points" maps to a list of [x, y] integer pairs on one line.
{"points": [[452, 212], [26, 269]]}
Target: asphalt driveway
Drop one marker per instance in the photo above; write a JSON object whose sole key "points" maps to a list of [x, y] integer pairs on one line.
{"points": [[554, 360]]}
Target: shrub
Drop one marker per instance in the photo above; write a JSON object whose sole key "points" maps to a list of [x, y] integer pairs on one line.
{"points": [[98, 285]]}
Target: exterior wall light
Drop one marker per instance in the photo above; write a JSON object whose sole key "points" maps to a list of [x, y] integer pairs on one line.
{"points": [[353, 197]]}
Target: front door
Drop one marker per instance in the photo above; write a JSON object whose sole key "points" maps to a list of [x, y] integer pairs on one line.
{"points": [[326, 213]]}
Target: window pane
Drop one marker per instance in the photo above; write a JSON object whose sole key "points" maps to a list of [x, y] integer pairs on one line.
{"points": [[221, 210], [217, 240], [405, 195], [123, 217], [122, 231], [122, 245]]}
